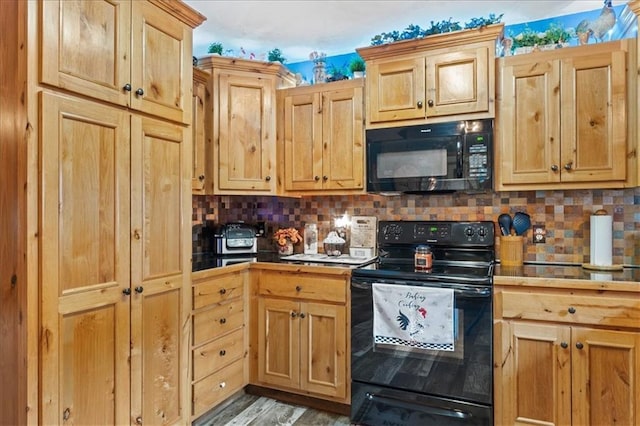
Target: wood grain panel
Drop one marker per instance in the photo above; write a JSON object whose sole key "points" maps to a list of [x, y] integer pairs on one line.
{"points": [[313, 287], [216, 387], [218, 290], [218, 354], [211, 323], [279, 345]]}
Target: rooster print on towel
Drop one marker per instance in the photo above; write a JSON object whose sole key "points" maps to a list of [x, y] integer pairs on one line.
{"points": [[415, 317]]}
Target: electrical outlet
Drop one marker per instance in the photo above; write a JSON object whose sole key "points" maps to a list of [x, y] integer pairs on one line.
{"points": [[539, 234]]}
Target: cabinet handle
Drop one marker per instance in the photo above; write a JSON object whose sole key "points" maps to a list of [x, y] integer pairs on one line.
{"points": [[136, 234], [139, 92], [568, 166], [139, 420], [223, 291], [302, 315], [571, 310], [325, 178], [268, 178], [126, 291], [223, 320], [419, 104], [430, 103], [316, 178], [294, 314], [127, 87], [298, 288], [139, 289], [554, 168], [223, 352], [201, 178], [564, 345], [222, 385], [579, 345]]}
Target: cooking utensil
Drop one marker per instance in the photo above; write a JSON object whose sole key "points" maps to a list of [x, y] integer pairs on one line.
{"points": [[521, 222], [505, 222]]}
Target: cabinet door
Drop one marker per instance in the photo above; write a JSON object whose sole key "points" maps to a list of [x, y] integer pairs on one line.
{"points": [[84, 345], [303, 141], [396, 90], [323, 342], [86, 47], [198, 176], [529, 114], [594, 125], [343, 139], [536, 376], [606, 376], [160, 77], [278, 342], [161, 200], [246, 133], [458, 82]]}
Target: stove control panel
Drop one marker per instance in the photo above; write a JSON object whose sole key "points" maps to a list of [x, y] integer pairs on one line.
{"points": [[437, 233]]}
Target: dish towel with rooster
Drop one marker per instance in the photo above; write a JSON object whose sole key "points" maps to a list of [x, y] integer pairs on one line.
{"points": [[412, 316]]}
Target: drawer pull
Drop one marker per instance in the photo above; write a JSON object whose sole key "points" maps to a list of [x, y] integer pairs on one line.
{"points": [[223, 352], [572, 310], [223, 291], [293, 314], [564, 345], [222, 385], [298, 288], [223, 320], [579, 345], [302, 315]]}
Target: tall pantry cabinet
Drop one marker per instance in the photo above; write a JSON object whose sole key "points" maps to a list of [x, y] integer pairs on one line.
{"points": [[102, 199]]}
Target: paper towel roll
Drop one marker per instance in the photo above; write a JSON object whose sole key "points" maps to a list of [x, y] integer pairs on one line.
{"points": [[601, 240]]}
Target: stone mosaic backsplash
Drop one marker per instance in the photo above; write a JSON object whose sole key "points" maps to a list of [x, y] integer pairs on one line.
{"points": [[565, 215]]}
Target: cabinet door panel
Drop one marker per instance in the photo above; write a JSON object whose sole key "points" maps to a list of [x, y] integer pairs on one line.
{"points": [[606, 369], [278, 337], [86, 47], [303, 142], [246, 158], [536, 374], [343, 139], [396, 90], [161, 50], [323, 352], [457, 82], [529, 122], [85, 262], [594, 125]]}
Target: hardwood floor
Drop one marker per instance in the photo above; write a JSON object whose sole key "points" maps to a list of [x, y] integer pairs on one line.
{"points": [[252, 410]]}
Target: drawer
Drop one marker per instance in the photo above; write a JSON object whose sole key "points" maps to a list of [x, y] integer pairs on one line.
{"points": [[569, 308], [213, 389], [217, 354], [218, 290], [211, 323], [301, 286]]}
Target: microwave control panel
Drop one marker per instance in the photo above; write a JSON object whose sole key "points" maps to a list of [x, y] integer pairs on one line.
{"points": [[478, 158]]}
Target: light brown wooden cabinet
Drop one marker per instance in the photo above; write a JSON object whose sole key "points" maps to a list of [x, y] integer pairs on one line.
{"points": [[303, 333], [437, 78], [241, 123], [321, 136], [562, 119], [107, 189], [566, 356], [133, 53], [219, 345], [201, 176]]}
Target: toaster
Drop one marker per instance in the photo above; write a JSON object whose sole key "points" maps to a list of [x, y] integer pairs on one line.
{"points": [[235, 238]]}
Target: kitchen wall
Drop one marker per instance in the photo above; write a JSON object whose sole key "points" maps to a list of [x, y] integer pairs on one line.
{"points": [[565, 214]]}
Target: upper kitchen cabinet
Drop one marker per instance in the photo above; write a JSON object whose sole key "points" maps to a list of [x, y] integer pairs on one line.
{"points": [[241, 122], [562, 118], [438, 78], [130, 53], [321, 133], [201, 169]]}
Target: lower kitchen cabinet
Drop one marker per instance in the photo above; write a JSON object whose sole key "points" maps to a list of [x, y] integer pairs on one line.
{"points": [[303, 333], [566, 356], [219, 339]]}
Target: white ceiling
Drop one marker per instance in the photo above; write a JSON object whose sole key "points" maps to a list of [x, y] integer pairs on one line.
{"points": [[298, 27]]}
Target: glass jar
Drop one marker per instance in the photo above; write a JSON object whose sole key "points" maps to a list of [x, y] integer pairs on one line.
{"points": [[423, 258]]}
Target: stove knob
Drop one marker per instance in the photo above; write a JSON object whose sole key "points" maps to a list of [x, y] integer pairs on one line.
{"points": [[468, 232], [482, 232]]}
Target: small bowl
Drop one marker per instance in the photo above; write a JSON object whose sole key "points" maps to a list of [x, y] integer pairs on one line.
{"points": [[333, 249]]}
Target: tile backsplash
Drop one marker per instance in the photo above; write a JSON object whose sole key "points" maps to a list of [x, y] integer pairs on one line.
{"points": [[565, 215]]}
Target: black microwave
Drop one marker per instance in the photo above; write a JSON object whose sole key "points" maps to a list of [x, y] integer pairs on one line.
{"points": [[441, 157]]}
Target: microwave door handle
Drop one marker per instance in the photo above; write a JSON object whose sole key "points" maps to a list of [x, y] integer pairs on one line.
{"points": [[459, 171]]}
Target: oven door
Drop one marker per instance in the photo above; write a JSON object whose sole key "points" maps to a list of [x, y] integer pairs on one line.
{"points": [[435, 386]]}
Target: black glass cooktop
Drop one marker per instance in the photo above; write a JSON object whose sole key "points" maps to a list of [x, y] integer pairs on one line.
{"points": [[461, 272]]}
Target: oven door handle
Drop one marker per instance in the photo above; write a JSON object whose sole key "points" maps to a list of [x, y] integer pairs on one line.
{"points": [[476, 292], [439, 411]]}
